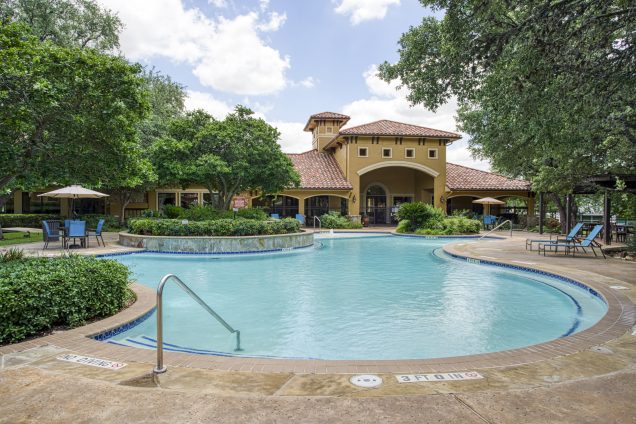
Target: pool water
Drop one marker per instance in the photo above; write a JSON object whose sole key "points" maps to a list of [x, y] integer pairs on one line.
{"points": [[357, 298]]}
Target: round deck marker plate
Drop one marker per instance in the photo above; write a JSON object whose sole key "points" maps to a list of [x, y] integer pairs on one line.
{"points": [[366, 380]]}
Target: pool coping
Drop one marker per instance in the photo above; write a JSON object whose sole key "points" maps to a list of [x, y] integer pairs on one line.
{"points": [[620, 317]]}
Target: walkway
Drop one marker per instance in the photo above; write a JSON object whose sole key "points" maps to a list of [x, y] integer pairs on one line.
{"points": [[590, 386]]}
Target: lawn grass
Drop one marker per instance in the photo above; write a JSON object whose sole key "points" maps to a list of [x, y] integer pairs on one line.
{"points": [[20, 238]]}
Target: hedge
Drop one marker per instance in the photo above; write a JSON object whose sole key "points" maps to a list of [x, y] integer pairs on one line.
{"points": [[219, 227], [25, 220], [39, 293]]}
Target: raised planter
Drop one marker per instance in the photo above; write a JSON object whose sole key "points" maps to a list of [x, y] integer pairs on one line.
{"points": [[250, 244]]}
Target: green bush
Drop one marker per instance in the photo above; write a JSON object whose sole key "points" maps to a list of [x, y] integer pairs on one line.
{"points": [[420, 215], [333, 219], [253, 213], [219, 227], [39, 293], [110, 222], [199, 213], [25, 220], [172, 211], [403, 226]]}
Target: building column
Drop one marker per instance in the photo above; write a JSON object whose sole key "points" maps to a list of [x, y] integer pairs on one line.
{"points": [[301, 205], [439, 191], [355, 199], [17, 201]]}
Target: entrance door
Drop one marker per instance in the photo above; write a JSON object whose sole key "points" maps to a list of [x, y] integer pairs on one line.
{"points": [[376, 205]]}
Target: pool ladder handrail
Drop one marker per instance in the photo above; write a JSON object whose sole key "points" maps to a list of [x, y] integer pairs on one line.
{"points": [[498, 226], [161, 368]]}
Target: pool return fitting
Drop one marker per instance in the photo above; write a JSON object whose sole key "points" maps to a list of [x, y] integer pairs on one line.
{"points": [[161, 368]]}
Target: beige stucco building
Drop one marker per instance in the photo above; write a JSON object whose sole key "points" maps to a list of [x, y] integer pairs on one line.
{"points": [[359, 170]]}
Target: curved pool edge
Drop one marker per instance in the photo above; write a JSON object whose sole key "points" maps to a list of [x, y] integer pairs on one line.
{"points": [[620, 317]]}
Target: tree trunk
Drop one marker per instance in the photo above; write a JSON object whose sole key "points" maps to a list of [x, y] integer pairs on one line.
{"points": [[560, 202]]}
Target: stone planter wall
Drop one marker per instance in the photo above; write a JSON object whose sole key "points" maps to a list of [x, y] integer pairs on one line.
{"points": [[251, 244]]}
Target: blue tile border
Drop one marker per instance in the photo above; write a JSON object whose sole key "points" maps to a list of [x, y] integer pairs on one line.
{"points": [[435, 237], [567, 280], [103, 336]]}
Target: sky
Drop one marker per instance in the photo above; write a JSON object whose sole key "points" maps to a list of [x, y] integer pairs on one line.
{"points": [[285, 59]]}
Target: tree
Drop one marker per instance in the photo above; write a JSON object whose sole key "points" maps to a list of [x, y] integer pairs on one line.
{"points": [[228, 157], [166, 100], [67, 115], [546, 90], [68, 23]]}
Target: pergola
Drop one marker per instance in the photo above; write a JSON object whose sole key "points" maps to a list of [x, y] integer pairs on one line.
{"points": [[593, 185]]}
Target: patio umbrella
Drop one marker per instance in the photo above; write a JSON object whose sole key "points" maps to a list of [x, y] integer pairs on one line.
{"points": [[74, 192], [489, 201]]}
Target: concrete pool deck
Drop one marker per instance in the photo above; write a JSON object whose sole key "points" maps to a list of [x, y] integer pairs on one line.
{"points": [[594, 382]]}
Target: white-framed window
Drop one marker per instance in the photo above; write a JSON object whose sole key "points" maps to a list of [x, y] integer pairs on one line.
{"points": [[432, 154], [409, 153], [387, 152], [363, 152]]}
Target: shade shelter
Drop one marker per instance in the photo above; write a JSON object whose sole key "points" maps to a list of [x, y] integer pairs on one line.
{"points": [[74, 192], [488, 201]]}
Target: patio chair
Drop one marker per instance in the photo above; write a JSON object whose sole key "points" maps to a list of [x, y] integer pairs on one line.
{"points": [[50, 232], [97, 232], [76, 230], [301, 218], [570, 237], [275, 215], [587, 242]]}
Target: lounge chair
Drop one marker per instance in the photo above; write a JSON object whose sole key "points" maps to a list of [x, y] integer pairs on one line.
{"points": [[301, 218], [570, 237], [275, 216], [76, 230], [587, 242], [50, 232], [97, 232]]}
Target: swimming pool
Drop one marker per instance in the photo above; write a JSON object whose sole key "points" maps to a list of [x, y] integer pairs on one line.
{"points": [[357, 298]]}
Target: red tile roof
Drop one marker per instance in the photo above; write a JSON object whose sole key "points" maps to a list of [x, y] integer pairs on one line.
{"points": [[329, 115], [319, 170], [326, 115], [386, 127], [460, 177]]}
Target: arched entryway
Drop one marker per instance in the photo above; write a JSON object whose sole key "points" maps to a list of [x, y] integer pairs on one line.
{"points": [[376, 204]]}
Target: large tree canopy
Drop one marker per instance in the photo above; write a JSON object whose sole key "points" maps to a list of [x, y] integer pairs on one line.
{"points": [[67, 115], [546, 89], [230, 156], [69, 23]]}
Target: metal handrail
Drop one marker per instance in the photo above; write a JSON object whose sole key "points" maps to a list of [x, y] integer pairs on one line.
{"points": [[507, 220], [319, 224], [160, 368]]}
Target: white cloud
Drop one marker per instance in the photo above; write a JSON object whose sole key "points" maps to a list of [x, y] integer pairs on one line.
{"points": [[218, 3], [364, 10], [309, 82], [205, 101], [226, 54], [292, 137]]}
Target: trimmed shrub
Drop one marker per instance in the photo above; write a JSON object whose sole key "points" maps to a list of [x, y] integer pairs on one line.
{"points": [[199, 213], [219, 227], [25, 220], [252, 213], [111, 223], [172, 211], [39, 293], [334, 219], [420, 215]]}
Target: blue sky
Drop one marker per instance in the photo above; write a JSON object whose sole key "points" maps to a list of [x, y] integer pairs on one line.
{"points": [[286, 59]]}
